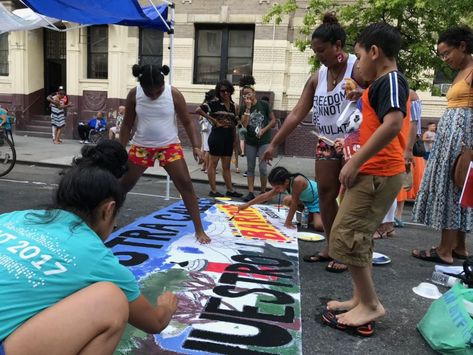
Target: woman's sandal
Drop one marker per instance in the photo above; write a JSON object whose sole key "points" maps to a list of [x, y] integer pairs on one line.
{"points": [[316, 258], [433, 256], [459, 256], [398, 223], [383, 235], [336, 267]]}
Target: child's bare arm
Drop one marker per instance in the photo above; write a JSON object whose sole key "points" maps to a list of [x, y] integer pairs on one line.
{"points": [[390, 128], [152, 319]]}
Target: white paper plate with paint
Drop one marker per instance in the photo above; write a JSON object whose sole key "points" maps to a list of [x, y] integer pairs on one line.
{"points": [[310, 237], [380, 259]]}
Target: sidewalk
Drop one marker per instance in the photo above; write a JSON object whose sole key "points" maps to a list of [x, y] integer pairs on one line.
{"points": [[42, 151]]}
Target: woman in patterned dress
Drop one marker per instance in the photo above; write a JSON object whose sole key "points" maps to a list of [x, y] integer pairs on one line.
{"points": [[58, 105], [437, 204]]}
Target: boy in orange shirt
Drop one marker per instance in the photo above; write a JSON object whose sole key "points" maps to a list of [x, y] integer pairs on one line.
{"points": [[372, 177]]}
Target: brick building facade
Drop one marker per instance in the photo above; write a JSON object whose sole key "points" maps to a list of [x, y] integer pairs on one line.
{"points": [[214, 39]]}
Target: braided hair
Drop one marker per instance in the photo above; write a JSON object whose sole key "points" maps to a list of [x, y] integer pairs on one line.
{"points": [[150, 75], [279, 175]]}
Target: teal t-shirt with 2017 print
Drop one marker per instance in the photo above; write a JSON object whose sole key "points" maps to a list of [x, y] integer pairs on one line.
{"points": [[43, 261]]}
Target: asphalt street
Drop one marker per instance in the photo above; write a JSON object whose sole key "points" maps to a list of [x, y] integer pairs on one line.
{"points": [[30, 186]]}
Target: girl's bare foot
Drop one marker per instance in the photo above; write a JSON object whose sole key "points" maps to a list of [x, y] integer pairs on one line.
{"points": [[203, 238], [342, 305], [361, 315]]}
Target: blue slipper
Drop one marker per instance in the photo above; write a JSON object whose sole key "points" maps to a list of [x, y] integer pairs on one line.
{"points": [[398, 223]]}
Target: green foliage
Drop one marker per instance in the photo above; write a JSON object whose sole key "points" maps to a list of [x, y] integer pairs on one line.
{"points": [[419, 22]]}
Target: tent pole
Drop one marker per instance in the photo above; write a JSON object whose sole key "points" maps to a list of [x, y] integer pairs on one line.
{"points": [[171, 53], [159, 14]]}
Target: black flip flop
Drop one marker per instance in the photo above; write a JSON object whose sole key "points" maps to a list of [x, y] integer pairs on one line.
{"points": [[434, 257], [316, 258], [365, 330], [330, 267]]}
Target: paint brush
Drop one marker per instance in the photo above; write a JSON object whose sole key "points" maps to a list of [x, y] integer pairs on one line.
{"points": [[323, 138], [279, 203], [233, 216]]}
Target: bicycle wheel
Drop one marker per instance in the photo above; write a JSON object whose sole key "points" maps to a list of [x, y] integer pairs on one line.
{"points": [[7, 157]]}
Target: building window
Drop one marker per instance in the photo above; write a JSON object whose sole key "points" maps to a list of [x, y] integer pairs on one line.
{"points": [[97, 52], [151, 46], [4, 54], [223, 52], [443, 79]]}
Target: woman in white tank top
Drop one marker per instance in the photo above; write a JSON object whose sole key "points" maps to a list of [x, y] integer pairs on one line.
{"points": [[152, 108], [324, 93]]}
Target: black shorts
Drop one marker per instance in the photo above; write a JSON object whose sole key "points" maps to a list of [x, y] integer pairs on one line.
{"points": [[221, 142]]}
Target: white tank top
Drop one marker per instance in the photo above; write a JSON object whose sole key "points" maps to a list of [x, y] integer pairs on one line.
{"points": [[328, 105], [156, 124]]}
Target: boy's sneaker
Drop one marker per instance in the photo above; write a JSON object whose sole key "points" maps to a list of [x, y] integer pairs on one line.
{"points": [[215, 194], [249, 197], [233, 194], [245, 174]]}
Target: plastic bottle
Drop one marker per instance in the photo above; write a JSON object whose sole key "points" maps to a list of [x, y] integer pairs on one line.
{"points": [[443, 280], [305, 218]]}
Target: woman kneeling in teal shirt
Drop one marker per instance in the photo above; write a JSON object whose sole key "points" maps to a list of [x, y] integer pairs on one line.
{"points": [[62, 291]]}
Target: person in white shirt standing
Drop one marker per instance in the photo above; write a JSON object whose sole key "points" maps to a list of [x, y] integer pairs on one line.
{"points": [[153, 105], [324, 93]]}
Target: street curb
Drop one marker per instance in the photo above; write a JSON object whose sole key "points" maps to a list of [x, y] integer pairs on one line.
{"points": [[158, 176]]}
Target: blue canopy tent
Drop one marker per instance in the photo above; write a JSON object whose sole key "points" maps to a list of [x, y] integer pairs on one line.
{"points": [[93, 12], [111, 12]]}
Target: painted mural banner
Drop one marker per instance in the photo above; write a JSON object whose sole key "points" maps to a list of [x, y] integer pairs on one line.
{"points": [[240, 294]]}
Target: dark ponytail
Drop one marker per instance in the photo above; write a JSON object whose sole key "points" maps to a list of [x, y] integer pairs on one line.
{"points": [[93, 179], [330, 30], [150, 75], [279, 175], [107, 154]]}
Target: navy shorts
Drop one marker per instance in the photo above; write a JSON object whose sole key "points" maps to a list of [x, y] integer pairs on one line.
{"points": [[2, 349]]}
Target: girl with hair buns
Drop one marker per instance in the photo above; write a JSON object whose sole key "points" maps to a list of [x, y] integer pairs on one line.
{"points": [[438, 201], [301, 192], [62, 291], [258, 119], [324, 93], [153, 106]]}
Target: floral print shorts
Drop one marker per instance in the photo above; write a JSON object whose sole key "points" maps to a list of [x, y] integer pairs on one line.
{"points": [[325, 151], [147, 156]]}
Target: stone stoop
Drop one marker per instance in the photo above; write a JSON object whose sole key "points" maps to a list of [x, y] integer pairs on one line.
{"points": [[37, 126]]}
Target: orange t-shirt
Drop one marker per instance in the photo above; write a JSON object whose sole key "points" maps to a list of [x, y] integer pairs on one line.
{"points": [[387, 93]]}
